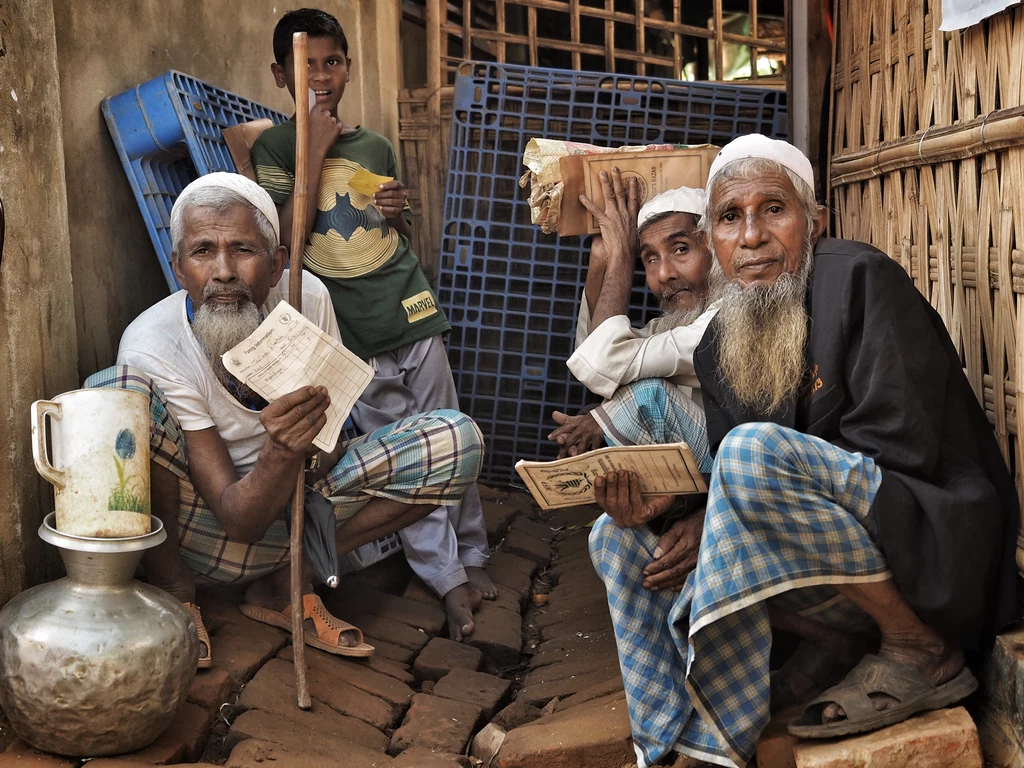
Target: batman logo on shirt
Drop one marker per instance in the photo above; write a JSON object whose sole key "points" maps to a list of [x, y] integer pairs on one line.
{"points": [[346, 219]]}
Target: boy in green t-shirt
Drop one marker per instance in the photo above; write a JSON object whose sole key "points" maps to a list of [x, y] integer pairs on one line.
{"points": [[387, 312]]}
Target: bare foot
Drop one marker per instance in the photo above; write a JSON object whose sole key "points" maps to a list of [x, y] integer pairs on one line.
{"points": [[267, 594], [458, 604], [481, 582], [936, 661]]}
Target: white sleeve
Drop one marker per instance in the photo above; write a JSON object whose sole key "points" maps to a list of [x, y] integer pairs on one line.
{"points": [[615, 353], [187, 404], [582, 321]]}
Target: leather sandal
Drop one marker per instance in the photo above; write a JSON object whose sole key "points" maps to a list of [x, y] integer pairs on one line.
{"points": [[205, 655], [327, 628]]}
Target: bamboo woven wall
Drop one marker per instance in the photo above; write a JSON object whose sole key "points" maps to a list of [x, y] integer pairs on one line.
{"points": [[928, 165]]}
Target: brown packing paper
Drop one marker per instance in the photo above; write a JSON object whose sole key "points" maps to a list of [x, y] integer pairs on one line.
{"points": [[240, 139], [657, 170]]}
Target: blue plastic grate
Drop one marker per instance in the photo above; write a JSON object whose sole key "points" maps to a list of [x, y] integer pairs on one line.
{"points": [[511, 292], [167, 132]]}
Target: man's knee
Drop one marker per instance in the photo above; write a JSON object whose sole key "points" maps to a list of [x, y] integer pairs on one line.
{"points": [[598, 539], [752, 443], [611, 545]]}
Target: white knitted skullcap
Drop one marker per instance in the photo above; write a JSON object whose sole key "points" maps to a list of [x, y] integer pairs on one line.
{"points": [[756, 145], [236, 182], [682, 200]]}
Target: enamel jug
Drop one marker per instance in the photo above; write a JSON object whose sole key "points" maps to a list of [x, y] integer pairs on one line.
{"points": [[99, 466]]}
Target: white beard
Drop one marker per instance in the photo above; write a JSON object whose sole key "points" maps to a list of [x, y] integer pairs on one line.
{"points": [[762, 336], [221, 327]]}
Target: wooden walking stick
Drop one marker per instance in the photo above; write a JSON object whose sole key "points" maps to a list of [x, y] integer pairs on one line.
{"points": [[298, 246]]}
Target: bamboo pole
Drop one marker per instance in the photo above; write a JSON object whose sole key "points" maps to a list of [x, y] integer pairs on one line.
{"points": [[300, 69]]}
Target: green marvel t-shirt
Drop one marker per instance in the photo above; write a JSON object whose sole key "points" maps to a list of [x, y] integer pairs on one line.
{"points": [[381, 296]]}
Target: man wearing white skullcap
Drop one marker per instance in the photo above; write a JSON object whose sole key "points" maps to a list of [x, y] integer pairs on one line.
{"points": [[858, 498], [225, 461], [641, 373]]}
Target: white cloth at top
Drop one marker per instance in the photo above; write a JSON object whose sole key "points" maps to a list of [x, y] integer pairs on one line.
{"points": [[160, 342], [615, 353], [757, 145], [681, 200], [957, 14], [257, 196]]}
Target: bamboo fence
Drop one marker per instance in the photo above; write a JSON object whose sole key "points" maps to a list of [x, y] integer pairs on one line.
{"points": [[927, 164]]}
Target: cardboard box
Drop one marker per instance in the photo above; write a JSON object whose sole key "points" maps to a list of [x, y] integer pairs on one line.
{"points": [[657, 170]]}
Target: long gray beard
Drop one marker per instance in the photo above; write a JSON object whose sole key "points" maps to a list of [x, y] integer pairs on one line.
{"points": [[221, 327], [762, 336]]}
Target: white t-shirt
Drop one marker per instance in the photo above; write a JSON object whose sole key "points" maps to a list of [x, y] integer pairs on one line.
{"points": [[161, 343]]}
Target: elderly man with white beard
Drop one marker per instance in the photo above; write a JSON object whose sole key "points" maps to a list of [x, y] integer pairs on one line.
{"points": [[224, 462], [858, 498]]}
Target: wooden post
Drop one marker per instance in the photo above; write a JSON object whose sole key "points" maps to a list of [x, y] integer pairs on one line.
{"points": [[299, 69]]}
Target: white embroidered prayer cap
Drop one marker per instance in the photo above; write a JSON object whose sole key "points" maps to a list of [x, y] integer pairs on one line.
{"points": [[682, 200], [242, 185], [756, 145]]}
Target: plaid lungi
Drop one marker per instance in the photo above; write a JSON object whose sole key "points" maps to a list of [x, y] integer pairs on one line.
{"points": [[427, 459], [785, 518], [654, 412]]}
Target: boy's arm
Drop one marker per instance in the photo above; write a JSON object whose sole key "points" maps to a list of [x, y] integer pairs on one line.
{"points": [[323, 132]]}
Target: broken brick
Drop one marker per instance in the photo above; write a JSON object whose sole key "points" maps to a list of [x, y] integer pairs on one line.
{"points": [[515, 714], [597, 737], [946, 737], [20, 755], [356, 674], [354, 607], [256, 753], [512, 571], [536, 530], [317, 729], [540, 693], [436, 724], [240, 651], [525, 545], [498, 633], [485, 691], [440, 656], [277, 681], [210, 688], [423, 758]]}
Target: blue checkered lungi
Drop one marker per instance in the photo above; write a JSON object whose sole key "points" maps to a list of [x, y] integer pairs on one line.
{"points": [[427, 459], [654, 412], [785, 519]]}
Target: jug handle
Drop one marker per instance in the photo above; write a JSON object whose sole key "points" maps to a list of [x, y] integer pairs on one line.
{"points": [[40, 410]]}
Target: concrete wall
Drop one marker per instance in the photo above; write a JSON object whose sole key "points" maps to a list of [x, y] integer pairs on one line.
{"points": [[37, 323], [105, 48]]}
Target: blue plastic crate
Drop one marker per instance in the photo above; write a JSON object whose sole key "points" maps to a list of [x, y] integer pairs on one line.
{"points": [[168, 132], [511, 292]]}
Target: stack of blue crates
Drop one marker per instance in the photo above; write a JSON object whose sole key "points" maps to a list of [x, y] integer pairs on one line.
{"points": [[511, 292], [168, 132]]}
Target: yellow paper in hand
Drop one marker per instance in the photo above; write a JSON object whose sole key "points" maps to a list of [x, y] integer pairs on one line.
{"points": [[367, 183]]}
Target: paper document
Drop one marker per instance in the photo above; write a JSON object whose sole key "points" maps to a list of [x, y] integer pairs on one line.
{"points": [[669, 469], [288, 352], [366, 183]]}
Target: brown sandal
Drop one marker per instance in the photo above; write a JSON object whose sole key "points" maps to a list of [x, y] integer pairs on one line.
{"points": [[205, 657], [328, 628]]}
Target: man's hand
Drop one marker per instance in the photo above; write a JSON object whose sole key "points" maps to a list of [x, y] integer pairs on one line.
{"points": [[618, 218], [295, 419], [676, 554], [576, 434], [324, 130], [619, 494], [390, 198]]}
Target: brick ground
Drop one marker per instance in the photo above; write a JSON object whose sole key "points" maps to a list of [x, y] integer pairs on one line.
{"points": [[945, 738], [1001, 717], [485, 691], [376, 712], [440, 656], [436, 724]]}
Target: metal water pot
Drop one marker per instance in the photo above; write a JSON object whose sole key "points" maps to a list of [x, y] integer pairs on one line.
{"points": [[95, 663]]}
